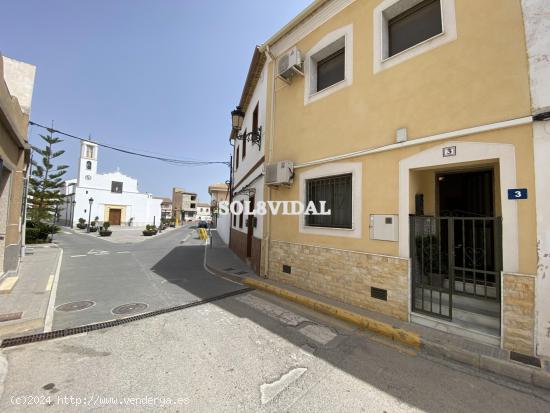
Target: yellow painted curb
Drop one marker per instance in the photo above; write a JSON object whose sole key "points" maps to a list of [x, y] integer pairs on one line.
{"points": [[7, 284], [406, 337], [22, 327]]}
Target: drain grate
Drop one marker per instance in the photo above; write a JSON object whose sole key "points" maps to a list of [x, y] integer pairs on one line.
{"points": [[241, 272], [33, 338], [75, 306], [131, 308], [229, 269], [525, 359]]}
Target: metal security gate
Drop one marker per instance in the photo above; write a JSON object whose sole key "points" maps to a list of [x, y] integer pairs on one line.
{"points": [[454, 255]]}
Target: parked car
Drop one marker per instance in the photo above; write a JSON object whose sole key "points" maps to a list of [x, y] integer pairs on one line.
{"points": [[203, 224]]}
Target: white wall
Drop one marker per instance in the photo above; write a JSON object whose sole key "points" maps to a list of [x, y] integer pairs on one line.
{"points": [[142, 207], [103, 181], [537, 34], [253, 153], [223, 226], [542, 189], [256, 182]]}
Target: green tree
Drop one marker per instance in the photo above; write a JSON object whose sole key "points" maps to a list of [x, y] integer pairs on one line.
{"points": [[45, 183]]}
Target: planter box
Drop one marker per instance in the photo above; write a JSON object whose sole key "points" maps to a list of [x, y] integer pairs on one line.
{"points": [[105, 233]]}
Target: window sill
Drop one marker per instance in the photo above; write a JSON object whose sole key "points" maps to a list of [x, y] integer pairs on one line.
{"points": [[328, 228], [312, 97]]}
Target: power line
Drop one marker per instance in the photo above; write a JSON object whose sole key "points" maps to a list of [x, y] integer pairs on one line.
{"points": [[172, 161]]}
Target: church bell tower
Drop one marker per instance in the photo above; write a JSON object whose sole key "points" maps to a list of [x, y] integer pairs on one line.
{"points": [[87, 168]]}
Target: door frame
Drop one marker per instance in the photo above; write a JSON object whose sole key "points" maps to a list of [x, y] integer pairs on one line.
{"points": [[250, 227]]}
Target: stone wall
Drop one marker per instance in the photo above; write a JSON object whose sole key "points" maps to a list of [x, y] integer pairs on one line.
{"points": [[518, 300], [343, 275]]}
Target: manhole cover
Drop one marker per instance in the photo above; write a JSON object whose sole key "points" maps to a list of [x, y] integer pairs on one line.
{"points": [[75, 306], [129, 308]]}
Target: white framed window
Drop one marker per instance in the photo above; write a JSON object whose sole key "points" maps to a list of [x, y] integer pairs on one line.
{"points": [[340, 225], [404, 29], [328, 66]]}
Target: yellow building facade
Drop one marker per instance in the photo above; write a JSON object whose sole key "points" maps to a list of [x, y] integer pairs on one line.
{"points": [[414, 121]]}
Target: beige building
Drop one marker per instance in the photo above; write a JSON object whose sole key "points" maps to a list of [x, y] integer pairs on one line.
{"points": [[184, 204], [421, 139], [218, 192], [16, 88]]}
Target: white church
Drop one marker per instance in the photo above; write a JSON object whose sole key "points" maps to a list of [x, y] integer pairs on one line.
{"points": [[112, 197]]}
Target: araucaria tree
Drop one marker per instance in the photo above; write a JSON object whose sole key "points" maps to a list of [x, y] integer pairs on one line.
{"points": [[45, 183]]}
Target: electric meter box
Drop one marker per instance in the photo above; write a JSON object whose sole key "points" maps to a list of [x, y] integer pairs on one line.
{"points": [[384, 227]]}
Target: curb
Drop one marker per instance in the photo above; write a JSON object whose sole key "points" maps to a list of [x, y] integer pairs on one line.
{"points": [[510, 369], [48, 318], [363, 322]]}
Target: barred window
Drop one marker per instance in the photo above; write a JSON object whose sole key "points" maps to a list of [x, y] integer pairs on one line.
{"points": [[336, 191]]}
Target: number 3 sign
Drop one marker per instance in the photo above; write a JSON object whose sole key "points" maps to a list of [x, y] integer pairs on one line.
{"points": [[517, 193]]}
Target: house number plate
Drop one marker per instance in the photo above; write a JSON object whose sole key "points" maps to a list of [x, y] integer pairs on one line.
{"points": [[449, 151], [517, 193]]}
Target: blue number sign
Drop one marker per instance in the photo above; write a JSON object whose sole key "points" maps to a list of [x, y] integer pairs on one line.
{"points": [[517, 193]]}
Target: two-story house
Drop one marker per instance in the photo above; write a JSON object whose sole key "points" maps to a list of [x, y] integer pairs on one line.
{"points": [[419, 123], [247, 173]]}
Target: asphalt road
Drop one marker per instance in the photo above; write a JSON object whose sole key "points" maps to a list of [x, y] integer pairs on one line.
{"points": [[164, 271], [247, 353]]}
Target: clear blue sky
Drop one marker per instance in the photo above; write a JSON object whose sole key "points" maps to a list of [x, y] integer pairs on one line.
{"points": [[156, 76]]}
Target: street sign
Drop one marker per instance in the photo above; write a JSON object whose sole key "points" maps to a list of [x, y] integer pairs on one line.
{"points": [[517, 193]]}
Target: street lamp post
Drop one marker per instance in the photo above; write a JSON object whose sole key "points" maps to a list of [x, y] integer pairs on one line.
{"points": [[91, 201], [67, 212], [54, 220], [72, 212]]}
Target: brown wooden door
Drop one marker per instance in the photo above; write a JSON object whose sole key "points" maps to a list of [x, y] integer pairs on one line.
{"points": [[250, 229], [114, 216]]}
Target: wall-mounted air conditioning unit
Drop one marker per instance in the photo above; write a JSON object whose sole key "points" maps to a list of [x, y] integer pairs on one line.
{"points": [[280, 173], [290, 64]]}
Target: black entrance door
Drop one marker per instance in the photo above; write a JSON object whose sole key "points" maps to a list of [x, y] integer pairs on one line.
{"points": [[459, 251]]}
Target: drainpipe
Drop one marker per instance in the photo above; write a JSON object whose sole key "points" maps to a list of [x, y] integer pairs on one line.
{"points": [[267, 229]]}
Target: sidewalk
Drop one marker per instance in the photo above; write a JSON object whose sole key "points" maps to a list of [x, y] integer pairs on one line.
{"points": [[24, 297], [220, 260], [430, 342]]}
